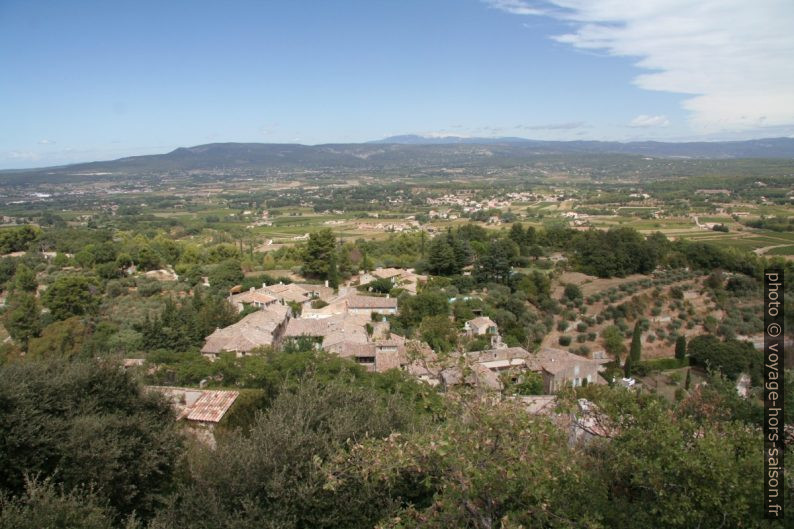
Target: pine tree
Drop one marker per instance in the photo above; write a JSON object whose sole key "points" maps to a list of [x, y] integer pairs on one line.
{"points": [[320, 247], [440, 257], [22, 319], [518, 236], [25, 279]]}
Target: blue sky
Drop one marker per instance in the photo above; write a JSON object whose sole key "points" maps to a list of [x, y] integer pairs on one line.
{"points": [[83, 80]]}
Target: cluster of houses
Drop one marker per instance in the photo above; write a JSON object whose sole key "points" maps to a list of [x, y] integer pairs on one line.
{"points": [[409, 225], [355, 326], [406, 279], [493, 368], [346, 323], [339, 322]]}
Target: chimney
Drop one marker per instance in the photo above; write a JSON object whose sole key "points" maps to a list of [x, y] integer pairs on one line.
{"points": [[264, 285], [388, 296], [326, 283]]}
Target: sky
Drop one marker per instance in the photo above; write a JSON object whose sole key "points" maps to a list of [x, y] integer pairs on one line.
{"points": [[96, 80]]}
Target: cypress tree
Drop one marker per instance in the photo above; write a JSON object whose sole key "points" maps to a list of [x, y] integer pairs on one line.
{"points": [[680, 347], [636, 343], [627, 367], [333, 272], [688, 381]]}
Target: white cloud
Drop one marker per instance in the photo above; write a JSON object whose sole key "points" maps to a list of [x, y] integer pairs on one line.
{"points": [[643, 121], [46, 142], [733, 56], [516, 7]]}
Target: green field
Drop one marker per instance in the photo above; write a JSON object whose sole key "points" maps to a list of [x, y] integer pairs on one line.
{"points": [[783, 250]]}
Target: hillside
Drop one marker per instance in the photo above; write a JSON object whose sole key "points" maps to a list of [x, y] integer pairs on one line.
{"points": [[397, 152]]}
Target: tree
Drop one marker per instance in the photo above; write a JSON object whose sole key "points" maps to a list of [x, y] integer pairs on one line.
{"points": [[180, 327], [439, 332], [25, 279], [627, 366], [680, 347], [498, 467], [225, 275], [60, 339], [441, 257], [18, 239], [71, 296], [366, 263], [617, 252], [381, 285], [318, 253], [688, 381], [495, 263], [731, 357], [333, 272], [636, 343], [44, 505], [613, 342], [86, 425], [22, 319], [572, 292], [271, 475], [529, 383], [426, 303]]}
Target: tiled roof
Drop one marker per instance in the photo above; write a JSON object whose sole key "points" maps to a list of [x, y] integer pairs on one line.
{"points": [[482, 321], [211, 406], [253, 331], [347, 324], [548, 359], [322, 291], [290, 292], [371, 302], [384, 273], [254, 296]]}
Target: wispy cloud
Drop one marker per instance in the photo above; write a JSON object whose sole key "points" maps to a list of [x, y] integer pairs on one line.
{"points": [[643, 121], [46, 142], [516, 7], [733, 56]]}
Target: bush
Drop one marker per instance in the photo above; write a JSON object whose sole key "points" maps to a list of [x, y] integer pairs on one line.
{"points": [[565, 340], [663, 364], [86, 424], [150, 288]]}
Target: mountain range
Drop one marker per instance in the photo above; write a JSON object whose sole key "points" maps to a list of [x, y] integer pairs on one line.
{"points": [[761, 148], [397, 151]]}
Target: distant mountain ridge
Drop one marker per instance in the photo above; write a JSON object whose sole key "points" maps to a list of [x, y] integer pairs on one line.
{"points": [[399, 151], [760, 148]]}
